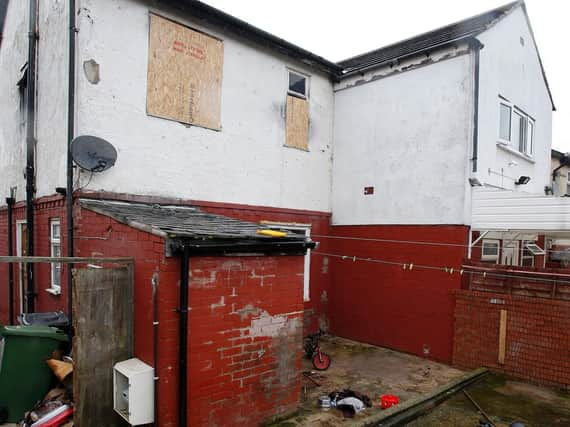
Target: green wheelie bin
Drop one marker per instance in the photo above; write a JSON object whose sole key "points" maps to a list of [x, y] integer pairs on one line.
{"points": [[25, 377]]}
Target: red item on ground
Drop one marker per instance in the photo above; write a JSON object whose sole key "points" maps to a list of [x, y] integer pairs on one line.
{"points": [[58, 420], [388, 400]]}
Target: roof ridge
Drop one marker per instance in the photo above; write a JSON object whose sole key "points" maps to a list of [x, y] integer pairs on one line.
{"points": [[419, 38]]}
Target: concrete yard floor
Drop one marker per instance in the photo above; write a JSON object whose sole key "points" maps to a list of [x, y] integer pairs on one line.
{"points": [[505, 401], [368, 370]]}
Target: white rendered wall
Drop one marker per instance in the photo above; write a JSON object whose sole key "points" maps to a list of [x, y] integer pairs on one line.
{"points": [[51, 127], [408, 135], [51, 100], [509, 69], [245, 162], [13, 55]]}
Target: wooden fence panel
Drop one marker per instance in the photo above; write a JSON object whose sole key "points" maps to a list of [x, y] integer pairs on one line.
{"points": [[103, 322]]}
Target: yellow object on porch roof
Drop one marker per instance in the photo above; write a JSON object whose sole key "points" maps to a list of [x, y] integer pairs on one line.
{"points": [[272, 233]]}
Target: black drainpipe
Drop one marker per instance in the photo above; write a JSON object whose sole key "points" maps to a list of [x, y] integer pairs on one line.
{"points": [[183, 341], [10, 202], [30, 151], [70, 133], [477, 45]]}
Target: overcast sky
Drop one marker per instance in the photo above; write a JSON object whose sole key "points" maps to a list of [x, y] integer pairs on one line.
{"points": [[340, 29]]}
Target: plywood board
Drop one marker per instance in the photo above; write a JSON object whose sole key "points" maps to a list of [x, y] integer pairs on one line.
{"points": [[103, 321], [297, 123], [502, 337], [184, 74]]}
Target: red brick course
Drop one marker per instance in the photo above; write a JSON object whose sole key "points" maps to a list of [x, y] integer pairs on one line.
{"points": [[537, 342]]}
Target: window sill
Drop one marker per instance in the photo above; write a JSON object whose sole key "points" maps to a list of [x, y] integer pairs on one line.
{"points": [[517, 153], [53, 291]]}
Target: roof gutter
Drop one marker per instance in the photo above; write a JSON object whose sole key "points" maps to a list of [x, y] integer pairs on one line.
{"points": [[236, 26], [374, 65], [272, 247]]}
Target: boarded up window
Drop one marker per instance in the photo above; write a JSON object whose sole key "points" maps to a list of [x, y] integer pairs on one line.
{"points": [[297, 123], [184, 74]]}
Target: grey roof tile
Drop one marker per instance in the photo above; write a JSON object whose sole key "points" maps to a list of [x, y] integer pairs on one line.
{"points": [[454, 32], [180, 221]]}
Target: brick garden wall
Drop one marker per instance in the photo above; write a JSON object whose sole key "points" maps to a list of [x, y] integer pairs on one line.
{"points": [[537, 339]]}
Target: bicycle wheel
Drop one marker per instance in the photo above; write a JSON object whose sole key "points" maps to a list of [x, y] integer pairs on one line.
{"points": [[321, 361]]}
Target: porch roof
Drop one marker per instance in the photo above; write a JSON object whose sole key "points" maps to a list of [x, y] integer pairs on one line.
{"points": [[189, 226], [505, 210]]}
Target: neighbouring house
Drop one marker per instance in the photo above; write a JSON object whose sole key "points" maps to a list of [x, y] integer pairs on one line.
{"points": [[560, 166], [450, 132], [400, 162]]}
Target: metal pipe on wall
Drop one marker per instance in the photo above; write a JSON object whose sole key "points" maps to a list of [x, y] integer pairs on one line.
{"points": [[70, 134], [10, 201], [183, 339], [31, 150], [155, 324], [477, 46]]}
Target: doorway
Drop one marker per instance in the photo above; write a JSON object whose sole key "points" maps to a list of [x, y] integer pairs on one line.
{"points": [[22, 250], [510, 253]]}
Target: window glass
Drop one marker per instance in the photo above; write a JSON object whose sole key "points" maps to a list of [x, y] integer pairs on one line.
{"points": [[55, 251], [505, 125], [517, 134], [490, 250], [530, 138], [297, 83]]}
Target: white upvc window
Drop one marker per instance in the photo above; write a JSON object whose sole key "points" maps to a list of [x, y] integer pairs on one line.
{"points": [[298, 84], [490, 250], [516, 128], [55, 251], [303, 230]]}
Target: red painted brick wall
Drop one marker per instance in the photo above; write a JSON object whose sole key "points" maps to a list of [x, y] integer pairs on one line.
{"points": [[246, 322], [47, 208], [316, 309], [246, 325], [411, 311], [537, 341], [246, 317]]}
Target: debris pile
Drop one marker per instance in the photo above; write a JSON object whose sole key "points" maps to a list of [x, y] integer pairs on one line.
{"points": [[348, 401], [56, 408]]}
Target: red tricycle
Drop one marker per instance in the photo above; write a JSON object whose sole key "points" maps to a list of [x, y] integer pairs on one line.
{"points": [[321, 361]]}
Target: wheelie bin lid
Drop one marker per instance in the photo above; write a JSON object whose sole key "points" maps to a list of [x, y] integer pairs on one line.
{"points": [[34, 331]]}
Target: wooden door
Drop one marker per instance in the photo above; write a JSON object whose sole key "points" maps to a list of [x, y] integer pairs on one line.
{"points": [[103, 321]]}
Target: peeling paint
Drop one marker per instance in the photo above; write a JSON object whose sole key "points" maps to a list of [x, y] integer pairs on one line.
{"points": [[325, 266], [248, 310], [204, 282], [215, 305], [271, 326]]}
